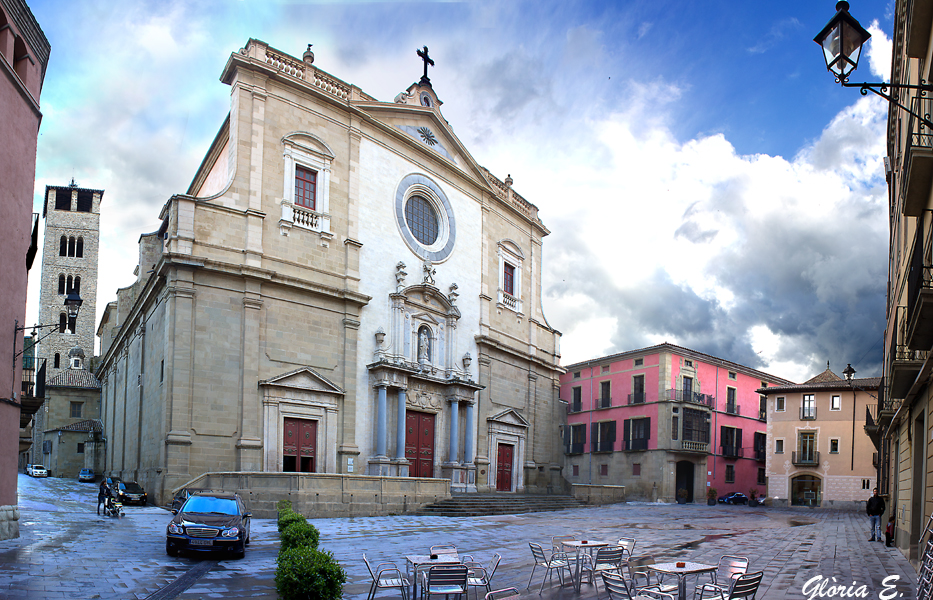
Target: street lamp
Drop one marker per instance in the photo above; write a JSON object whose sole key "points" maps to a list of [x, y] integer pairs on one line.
{"points": [[841, 41], [73, 302], [849, 372]]}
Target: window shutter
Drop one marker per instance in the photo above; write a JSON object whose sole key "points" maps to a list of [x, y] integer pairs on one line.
{"points": [[594, 438], [567, 439], [723, 436], [626, 434], [738, 439], [647, 429]]}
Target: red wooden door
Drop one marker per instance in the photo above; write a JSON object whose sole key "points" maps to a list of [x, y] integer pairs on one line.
{"points": [[419, 443], [299, 445], [504, 468]]}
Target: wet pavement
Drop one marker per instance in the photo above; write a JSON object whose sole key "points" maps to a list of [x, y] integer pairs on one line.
{"points": [[66, 551]]}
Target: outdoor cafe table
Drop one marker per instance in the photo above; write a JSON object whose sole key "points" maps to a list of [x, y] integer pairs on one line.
{"points": [[580, 546], [689, 568], [424, 560]]}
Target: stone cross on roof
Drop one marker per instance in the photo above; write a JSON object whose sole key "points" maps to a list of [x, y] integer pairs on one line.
{"points": [[427, 61]]}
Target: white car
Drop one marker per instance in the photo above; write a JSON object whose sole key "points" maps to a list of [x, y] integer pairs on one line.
{"points": [[39, 471]]}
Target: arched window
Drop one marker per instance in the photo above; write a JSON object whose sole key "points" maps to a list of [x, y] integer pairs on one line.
{"points": [[79, 251], [61, 285], [71, 246], [424, 343], [77, 286], [69, 287], [58, 360], [72, 324], [63, 247], [62, 327]]}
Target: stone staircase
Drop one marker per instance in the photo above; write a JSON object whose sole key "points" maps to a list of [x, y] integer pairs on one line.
{"points": [[472, 505]]}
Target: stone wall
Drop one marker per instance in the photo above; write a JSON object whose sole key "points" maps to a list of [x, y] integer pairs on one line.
{"points": [[598, 494], [9, 522], [325, 495]]}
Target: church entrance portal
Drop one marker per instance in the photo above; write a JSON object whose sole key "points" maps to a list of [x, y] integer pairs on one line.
{"points": [[504, 468], [419, 443], [298, 447]]}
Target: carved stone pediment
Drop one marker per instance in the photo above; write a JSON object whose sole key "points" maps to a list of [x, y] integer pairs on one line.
{"points": [[509, 417], [429, 299], [303, 378]]}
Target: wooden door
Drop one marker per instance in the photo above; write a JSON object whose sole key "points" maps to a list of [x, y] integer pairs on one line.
{"points": [[299, 445], [504, 468], [419, 443]]}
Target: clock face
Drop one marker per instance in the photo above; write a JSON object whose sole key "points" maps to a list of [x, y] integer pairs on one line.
{"points": [[425, 100]]}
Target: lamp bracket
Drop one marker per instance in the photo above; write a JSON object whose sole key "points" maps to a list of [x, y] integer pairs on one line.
{"points": [[880, 89]]}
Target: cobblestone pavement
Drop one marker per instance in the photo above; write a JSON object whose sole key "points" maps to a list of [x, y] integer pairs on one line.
{"points": [[66, 551]]}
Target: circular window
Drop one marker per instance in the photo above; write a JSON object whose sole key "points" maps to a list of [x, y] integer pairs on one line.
{"points": [[421, 219], [425, 218]]}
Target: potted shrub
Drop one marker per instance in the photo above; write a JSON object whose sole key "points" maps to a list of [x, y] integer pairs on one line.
{"points": [[682, 496], [711, 497], [753, 497]]}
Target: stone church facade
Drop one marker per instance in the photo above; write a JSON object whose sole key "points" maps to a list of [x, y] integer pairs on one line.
{"points": [[342, 289]]}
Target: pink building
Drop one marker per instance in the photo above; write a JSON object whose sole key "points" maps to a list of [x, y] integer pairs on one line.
{"points": [[666, 418], [24, 54]]}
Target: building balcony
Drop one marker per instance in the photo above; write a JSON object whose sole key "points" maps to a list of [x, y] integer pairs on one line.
{"points": [[603, 402], [639, 398], [805, 459], [761, 455], [919, 20], [762, 415], [733, 409], [905, 365], [732, 451], [575, 448], [691, 446], [919, 304], [603, 446], [918, 161], [807, 413], [691, 397], [636, 445]]}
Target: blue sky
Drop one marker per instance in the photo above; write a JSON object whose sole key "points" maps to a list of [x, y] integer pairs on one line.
{"points": [[705, 180]]}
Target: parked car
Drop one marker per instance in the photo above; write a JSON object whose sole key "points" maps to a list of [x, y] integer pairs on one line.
{"points": [[130, 492], [86, 475], [734, 498], [39, 471], [209, 522]]}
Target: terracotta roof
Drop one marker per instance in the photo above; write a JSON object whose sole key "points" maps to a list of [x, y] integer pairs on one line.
{"points": [[824, 377], [75, 378], [89, 425], [869, 384]]}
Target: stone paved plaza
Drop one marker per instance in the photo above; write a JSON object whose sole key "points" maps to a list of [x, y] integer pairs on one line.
{"points": [[67, 551]]}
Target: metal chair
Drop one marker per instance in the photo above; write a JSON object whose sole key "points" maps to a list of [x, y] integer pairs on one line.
{"points": [[627, 544], [444, 549], [558, 540], [503, 594], [746, 586], [609, 559], [480, 576], [386, 575], [619, 588], [557, 560], [445, 580], [721, 580]]}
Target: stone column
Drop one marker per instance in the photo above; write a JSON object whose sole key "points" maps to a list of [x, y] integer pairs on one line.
{"points": [[454, 429], [468, 435], [400, 425], [381, 422]]}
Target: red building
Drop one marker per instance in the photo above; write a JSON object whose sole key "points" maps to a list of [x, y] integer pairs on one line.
{"points": [[24, 54], [663, 419]]}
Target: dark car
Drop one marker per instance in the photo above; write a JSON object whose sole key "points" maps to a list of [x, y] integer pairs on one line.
{"points": [[734, 498], [86, 475], [209, 522], [130, 492]]}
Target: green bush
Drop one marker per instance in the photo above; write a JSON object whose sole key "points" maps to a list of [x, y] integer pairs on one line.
{"points": [[283, 505], [299, 533], [305, 573], [289, 517]]}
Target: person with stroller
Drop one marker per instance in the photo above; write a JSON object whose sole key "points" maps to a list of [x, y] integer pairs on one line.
{"points": [[104, 497]]}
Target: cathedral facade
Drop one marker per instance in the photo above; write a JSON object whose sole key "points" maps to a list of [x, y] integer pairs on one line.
{"points": [[342, 289]]}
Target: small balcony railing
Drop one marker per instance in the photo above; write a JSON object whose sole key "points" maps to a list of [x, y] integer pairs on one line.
{"points": [[602, 446], [762, 415], [732, 451], [691, 446], [636, 444], [733, 409], [807, 413], [691, 397], [805, 459], [638, 398], [760, 455], [576, 448], [604, 403]]}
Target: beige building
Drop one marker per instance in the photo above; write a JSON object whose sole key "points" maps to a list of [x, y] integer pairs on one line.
{"points": [[818, 451], [342, 289]]}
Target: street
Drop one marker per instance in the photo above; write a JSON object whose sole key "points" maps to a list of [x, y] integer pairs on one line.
{"points": [[66, 551]]}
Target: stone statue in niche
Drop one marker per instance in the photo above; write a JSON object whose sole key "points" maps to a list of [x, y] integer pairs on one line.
{"points": [[424, 345]]}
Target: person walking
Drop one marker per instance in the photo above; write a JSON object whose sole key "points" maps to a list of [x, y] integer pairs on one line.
{"points": [[875, 508], [102, 495]]}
